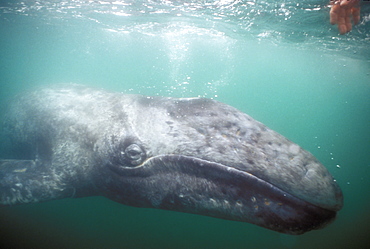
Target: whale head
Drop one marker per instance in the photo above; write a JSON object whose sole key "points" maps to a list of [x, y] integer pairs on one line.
{"points": [[191, 155]]}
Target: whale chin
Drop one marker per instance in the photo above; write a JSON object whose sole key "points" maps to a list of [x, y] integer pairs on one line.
{"points": [[193, 185]]}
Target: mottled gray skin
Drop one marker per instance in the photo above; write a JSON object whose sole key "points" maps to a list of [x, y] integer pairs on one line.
{"points": [[191, 155]]}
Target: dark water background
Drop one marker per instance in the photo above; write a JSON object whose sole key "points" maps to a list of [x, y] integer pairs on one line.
{"points": [[279, 61]]}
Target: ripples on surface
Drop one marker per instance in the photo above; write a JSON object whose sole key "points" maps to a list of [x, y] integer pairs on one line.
{"points": [[302, 24]]}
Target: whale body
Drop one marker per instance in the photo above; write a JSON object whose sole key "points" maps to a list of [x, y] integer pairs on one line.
{"points": [[193, 155]]}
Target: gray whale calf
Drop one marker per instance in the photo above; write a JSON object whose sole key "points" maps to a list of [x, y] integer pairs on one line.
{"points": [[192, 155]]}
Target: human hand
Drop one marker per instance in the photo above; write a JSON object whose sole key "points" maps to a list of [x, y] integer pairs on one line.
{"points": [[341, 12]]}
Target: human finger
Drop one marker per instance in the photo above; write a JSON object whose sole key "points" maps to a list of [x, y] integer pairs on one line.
{"points": [[342, 21], [356, 15], [334, 14]]}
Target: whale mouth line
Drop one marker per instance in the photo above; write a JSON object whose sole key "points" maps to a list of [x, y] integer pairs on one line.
{"points": [[182, 164], [193, 185]]}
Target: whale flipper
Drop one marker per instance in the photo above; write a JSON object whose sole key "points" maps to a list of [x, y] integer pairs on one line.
{"points": [[26, 181]]}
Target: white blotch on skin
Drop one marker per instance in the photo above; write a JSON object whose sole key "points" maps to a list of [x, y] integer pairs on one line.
{"points": [[294, 149]]}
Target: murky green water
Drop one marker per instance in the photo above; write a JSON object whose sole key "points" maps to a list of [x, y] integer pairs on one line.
{"points": [[279, 61]]}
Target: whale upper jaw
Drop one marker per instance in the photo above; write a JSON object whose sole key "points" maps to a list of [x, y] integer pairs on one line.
{"points": [[193, 185]]}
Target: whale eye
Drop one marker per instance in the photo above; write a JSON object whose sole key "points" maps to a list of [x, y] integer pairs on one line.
{"points": [[134, 154]]}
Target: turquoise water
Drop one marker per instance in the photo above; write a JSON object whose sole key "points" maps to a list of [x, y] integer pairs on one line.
{"points": [[279, 61]]}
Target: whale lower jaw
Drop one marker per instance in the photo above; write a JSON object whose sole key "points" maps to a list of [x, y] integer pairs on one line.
{"points": [[193, 185]]}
